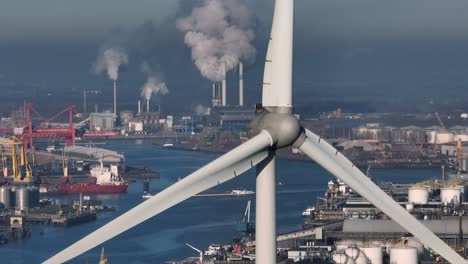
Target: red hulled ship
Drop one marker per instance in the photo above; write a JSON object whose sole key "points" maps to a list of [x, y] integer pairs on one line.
{"points": [[107, 180]]}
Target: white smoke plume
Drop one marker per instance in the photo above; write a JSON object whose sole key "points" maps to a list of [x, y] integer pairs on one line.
{"points": [[110, 60], [153, 84], [219, 31], [201, 110]]}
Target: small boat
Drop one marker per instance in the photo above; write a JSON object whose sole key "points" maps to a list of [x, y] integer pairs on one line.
{"points": [[241, 192], [146, 195], [168, 145], [309, 211]]}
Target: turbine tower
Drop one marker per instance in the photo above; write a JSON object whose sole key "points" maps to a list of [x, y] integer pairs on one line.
{"points": [[274, 127]]}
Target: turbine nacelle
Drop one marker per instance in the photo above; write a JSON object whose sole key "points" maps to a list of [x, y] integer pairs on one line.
{"points": [[283, 127]]}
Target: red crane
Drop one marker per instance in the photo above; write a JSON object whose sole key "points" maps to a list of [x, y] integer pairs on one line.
{"points": [[26, 131]]}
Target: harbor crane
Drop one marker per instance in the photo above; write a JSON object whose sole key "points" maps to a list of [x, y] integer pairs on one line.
{"points": [[21, 170], [441, 123], [196, 249]]}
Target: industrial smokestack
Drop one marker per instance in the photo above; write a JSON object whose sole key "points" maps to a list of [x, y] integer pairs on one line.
{"points": [[139, 106], [241, 84], [147, 106], [213, 95], [115, 99], [214, 92], [223, 93]]}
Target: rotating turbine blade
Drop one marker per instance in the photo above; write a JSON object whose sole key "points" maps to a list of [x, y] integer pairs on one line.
{"points": [[224, 168], [277, 77], [337, 164]]}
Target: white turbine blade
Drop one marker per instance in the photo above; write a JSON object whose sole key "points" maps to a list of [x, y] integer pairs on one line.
{"points": [[224, 168], [277, 80], [337, 164]]}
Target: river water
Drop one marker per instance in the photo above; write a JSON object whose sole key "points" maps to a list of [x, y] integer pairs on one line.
{"points": [[199, 221]]}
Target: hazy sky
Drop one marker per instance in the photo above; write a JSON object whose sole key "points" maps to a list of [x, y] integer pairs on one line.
{"points": [[365, 48], [87, 19]]}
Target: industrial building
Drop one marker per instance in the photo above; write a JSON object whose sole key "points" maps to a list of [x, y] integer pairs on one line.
{"points": [[101, 121], [125, 117], [235, 119], [150, 120]]}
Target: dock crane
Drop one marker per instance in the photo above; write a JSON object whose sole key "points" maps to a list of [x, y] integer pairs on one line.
{"points": [[196, 249], [441, 123], [4, 164], [443, 130], [245, 226], [21, 171]]}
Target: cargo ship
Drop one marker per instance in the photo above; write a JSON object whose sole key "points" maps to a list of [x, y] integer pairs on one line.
{"points": [[107, 180]]}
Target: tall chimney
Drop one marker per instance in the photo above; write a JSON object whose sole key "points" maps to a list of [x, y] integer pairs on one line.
{"points": [[139, 106], [115, 99], [213, 96], [224, 85], [241, 84], [147, 105]]}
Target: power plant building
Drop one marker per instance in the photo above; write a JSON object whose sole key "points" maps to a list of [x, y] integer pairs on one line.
{"points": [[150, 120], [101, 121]]}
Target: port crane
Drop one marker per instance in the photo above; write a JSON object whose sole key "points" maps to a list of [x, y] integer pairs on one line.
{"points": [[441, 123], [245, 226], [196, 249], [21, 170], [23, 119]]}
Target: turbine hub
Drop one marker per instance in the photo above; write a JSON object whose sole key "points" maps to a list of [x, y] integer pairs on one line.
{"points": [[284, 128]]}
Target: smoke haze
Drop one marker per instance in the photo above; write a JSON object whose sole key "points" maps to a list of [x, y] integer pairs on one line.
{"points": [[153, 84], [219, 31], [109, 60]]}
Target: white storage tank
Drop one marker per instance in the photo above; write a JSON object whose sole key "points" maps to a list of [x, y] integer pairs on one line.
{"points": [[357, 255], [342, 258], [431, 137], [450, 194], [442, 138], [403, 255], [22, 198], [373, 254], [5, 195], [418, 195]]}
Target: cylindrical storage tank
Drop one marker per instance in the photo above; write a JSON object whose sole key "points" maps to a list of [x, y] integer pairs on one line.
{"points": [[22, 198], [357, 255], [450, 194], [342, 258], [373, 254], [418, 195], [5, 193], [403, 255], [442, 138], [431, 137], [413, 242]]}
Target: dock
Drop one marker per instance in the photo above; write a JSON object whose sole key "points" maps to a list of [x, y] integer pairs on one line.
{"points": [[74, 219]]}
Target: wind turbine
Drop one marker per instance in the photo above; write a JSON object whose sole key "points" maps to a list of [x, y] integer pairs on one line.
{"points": [[274, 127]]}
